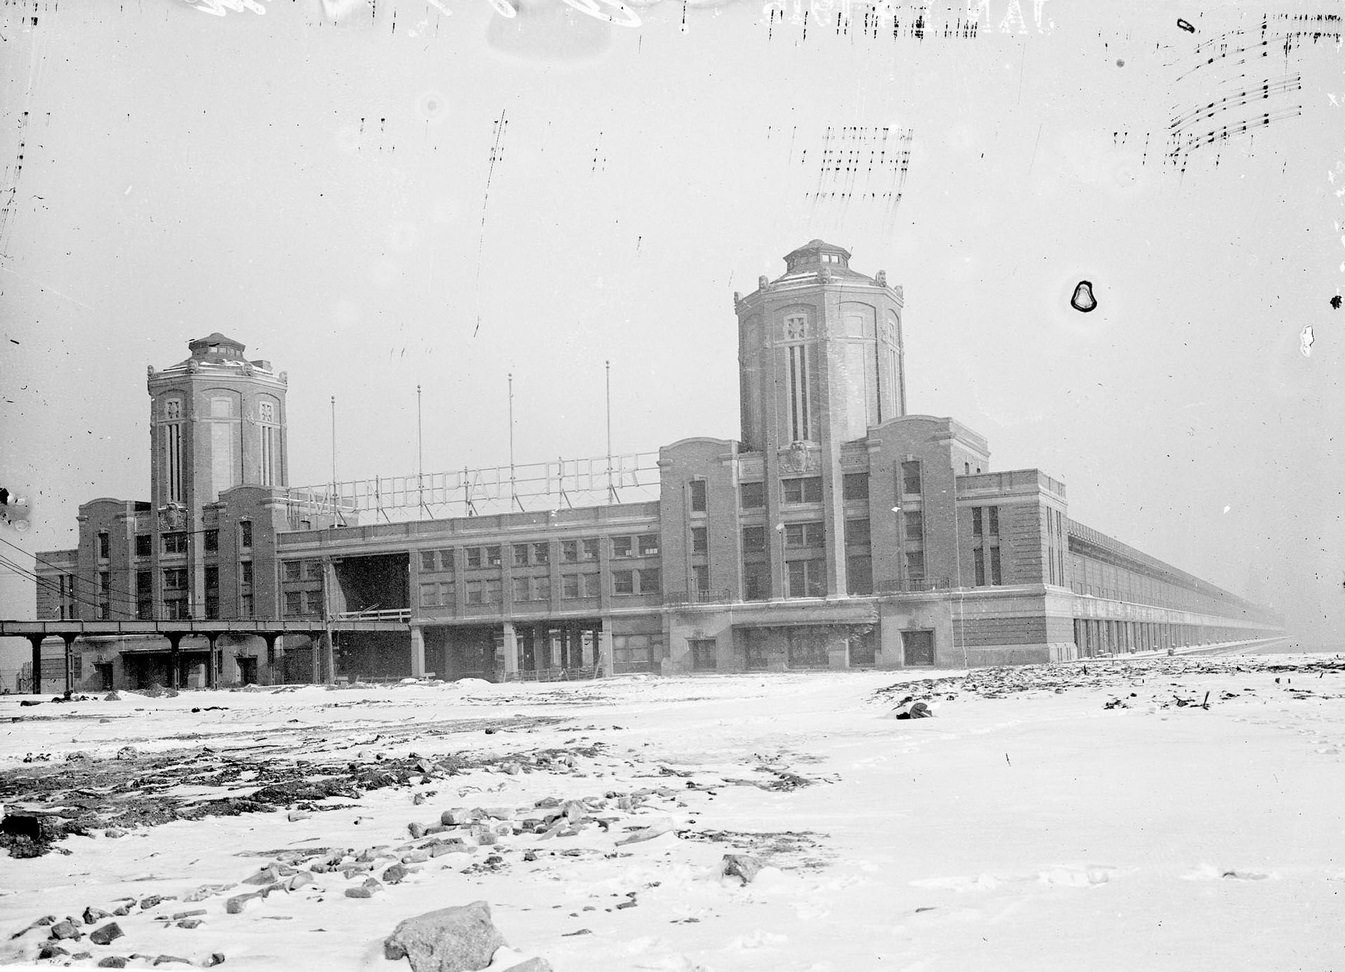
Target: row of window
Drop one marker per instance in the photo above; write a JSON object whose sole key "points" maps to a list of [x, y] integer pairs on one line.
{"points": [[175, 542], [808, 489], [645, 580], [538, 554]]}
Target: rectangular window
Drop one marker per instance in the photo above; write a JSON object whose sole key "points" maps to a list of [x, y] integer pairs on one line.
{"points": [[754, 539], [293, 604], [621, 546], [144, 544], [144, 595], [756, 582], [313, 570], [978, 556], [651, 580], [245, 572], [700, 574], [569, 586], [174, 579], [807, 489], [174, 543], [700, 540], [859, 574], [294, 570], [807, 578], [915, 526], [857, 532], [429, 595], [623, 582], [475, 591], [446, 559], [855, 486], [104, 546], [648, 544], [995, 576], [915, 566], [977, 529], [702, 654], [427, 560], [493, 556], [569, 551], [752, 496], [245, 529], [541, 553], [541, 588], [992, 521], [698, 495], [520, 588], [210, 541], [800, 421], [473, 556], [245, 605], [520, 555], [804, 535], [910, 478], [493, 591]]}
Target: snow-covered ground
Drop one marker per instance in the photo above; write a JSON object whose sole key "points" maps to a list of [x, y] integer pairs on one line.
{"points": [[1063, 817]]}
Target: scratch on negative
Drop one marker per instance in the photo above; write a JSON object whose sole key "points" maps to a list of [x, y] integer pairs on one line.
{"points": [[495, 153]]}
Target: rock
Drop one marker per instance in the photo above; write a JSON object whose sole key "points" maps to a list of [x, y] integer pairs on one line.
{"points": [[66, 929], [417, 799], [300, 879], [50, 950], [107, 934], [127, 752], [123, 909], [237, 903], [416, 857], [297, 815], [453, 818], [112, 697], [458, 939], [153, 899], [189, 923], [534, 964], [360, 892], [92, 915], [267, 875], [417, 830], [216, 958], [395, 874], [112, 962], [166, 959], [742, 866], [114, 832]]}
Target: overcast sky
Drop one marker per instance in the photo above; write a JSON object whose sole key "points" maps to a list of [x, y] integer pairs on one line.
{"points": [[375, 197]]}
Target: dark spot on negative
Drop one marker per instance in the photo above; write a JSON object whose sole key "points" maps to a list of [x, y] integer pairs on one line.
{"points": [[1335, 304], [1083, 299], [1186, 26]]}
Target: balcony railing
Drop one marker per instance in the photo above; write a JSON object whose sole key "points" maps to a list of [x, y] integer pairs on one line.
{"points": [[387, 614], [910, 585], [674, 598]]}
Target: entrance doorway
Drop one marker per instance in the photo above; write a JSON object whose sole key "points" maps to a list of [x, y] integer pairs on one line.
{"points": [[917, 648]]}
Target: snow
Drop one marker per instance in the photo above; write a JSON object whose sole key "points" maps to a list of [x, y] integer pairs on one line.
{"points": [[1023, 829]]}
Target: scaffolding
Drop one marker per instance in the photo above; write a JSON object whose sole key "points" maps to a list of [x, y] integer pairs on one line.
{"points": [[532, 487]]}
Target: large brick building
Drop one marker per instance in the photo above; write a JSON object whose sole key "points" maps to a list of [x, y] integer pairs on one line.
{"points": [[839, 531]]}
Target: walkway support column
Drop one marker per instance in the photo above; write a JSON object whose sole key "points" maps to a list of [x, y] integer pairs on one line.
{"points": [[510, 652], [36, 686], [212, 670], [606, 666], [69, 640], [270, 639], [174, 658], [417, 651]]}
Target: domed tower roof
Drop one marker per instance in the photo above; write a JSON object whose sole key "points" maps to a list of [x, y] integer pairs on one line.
{"points": [[817, 256], [216, 347]]}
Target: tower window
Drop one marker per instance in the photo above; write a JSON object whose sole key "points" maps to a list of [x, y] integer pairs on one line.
{"points": [[172, 448], [806, 489], [856, 486], [800, 419], [752, 496], [910, 478], [698, 496], [270, 439]]}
